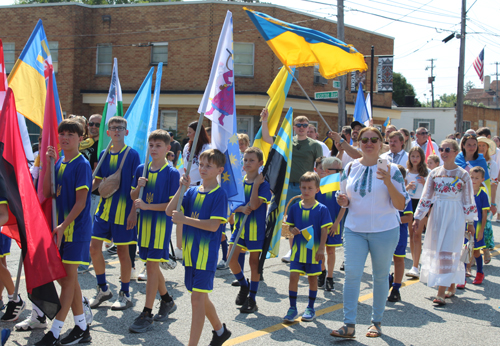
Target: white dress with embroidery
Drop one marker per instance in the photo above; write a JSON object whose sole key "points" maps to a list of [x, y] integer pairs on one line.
{"points": [[452, 193]]}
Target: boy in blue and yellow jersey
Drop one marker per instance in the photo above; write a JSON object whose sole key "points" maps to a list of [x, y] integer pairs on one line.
{"points": [[203, 220], [324, 167], [406, 218], [257, 196], [115, 218], [307, 214], [73, 184], [159, 186]]}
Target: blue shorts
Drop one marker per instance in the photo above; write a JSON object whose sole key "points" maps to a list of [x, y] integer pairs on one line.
{"points": [[108, 231], [248, 245], [4, 245], [75, 252], [154, 255], [479, 244], [199, 280], [403, 242], [157, 248], [308, 269], [335, 240]]}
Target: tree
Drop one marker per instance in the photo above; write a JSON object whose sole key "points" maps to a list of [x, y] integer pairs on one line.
{"points": [[468, 86], [402, 88], [443, 101]]}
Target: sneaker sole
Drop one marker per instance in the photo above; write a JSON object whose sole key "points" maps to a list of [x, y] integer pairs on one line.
{"points": [[142, 279], [249, 311], [140, 330], [116, 308], [102, 300], [308, 319], [285, 260], [164, 318], [22, 329], [79, 341], [289, 321], [410, 275], [18, 314]]}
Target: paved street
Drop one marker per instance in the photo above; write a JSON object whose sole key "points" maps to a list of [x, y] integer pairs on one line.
{"points": [[471, 318]]}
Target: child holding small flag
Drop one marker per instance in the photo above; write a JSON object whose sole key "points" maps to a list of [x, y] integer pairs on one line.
{"points": [[309, 222], [154, 226], [257, 196], [330, 165]]}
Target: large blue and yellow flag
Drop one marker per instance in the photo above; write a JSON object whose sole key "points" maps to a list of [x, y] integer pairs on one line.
{"points": [[28, 78], [330, 183], [277, 95], [277, 173], [298, 46]]}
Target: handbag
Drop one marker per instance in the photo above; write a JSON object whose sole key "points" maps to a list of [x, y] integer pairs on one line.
{"points": [[467, 249], [111, 184]]}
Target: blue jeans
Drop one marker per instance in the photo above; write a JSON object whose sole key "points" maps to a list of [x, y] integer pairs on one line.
{"points": [[381, 246]]}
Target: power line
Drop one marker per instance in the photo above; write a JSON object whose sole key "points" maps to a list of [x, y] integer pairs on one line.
{"points": [[408, 7], [383, 26]]}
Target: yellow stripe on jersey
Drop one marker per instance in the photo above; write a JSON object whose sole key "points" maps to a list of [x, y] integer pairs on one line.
{"points": [[106, 208], [68, 232], [120, 211], [203, 251], [253, 229], [82, 187], [4, 202], [161, 225], [314, 250], [303, 252], [186, 250], [294, 252]]}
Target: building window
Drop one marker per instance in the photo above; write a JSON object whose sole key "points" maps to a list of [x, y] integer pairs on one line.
{"points": [[318, 78], [159, 53], [104, 60], [465, 125], [427, 123], [54, 53], [168, 120], [9, 56], [243, 59]]}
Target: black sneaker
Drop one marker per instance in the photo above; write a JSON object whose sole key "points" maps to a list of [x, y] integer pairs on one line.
{"points": [[394, 296], [77, 336], [113, 250], [166, 308], [219, 340], [391, 280], [142, 324], [342, 266], [329, 284], [242, 295], [249, 306], [235, 283], [321, 280], [13, 310], [48, 340]]}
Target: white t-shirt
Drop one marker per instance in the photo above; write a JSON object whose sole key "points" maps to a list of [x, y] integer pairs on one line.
{"points": [[326, 150], [194, 173], [412, 177], [346, 158]]}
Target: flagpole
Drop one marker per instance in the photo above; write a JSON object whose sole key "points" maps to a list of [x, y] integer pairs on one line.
{"points": [[144, 170], [18, 278], [329, 128], [99, 164], [237, 238]]}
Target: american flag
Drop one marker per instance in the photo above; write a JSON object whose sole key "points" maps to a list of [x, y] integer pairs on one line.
{"points": [[479, 65]]}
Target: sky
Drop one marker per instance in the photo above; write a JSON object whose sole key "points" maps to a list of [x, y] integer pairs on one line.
{"points": [[414, 44]]}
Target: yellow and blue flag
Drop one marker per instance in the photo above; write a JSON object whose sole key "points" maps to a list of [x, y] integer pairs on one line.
{"points": [[298, 46], [277, 173], [277, 95], [330, 183], [387, 122], [29, 76], [308, 235], [180, 165]]}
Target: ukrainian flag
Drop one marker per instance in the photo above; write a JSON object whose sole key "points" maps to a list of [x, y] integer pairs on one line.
{"points": [[308, 235], [387, 122], [330, 183], [28, 78], [299, 46]]}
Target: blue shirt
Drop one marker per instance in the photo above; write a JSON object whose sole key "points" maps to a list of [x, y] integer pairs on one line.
{"points": [[318, 216], [482, 203], [71, 177], [330, 201], [116, 208], [200, 248], [160, 188], [255, 226]]}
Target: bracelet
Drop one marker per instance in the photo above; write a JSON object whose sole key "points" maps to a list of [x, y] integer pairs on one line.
{"points": [[493, 204]]}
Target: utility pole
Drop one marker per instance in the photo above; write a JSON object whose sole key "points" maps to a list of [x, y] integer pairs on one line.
{"points": [[342, 115], [496, 91], [460, 87], [431, 79]]}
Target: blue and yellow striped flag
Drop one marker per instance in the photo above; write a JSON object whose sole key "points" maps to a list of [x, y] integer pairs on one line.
{"points": [[308, 235], [277, 95], [330, 183], [299, 46], [387, 122], [180, 164]]}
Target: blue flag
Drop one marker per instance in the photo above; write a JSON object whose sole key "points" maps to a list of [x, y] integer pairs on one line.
{"points": [[153, 118], [360, 111], [387, 122], [138, 116]]}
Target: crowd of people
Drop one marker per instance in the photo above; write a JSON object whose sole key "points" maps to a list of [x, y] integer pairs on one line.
{"points": [[391, 192]]}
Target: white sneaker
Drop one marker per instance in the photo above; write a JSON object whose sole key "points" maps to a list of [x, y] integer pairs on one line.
{"points": [[169, 265], [32, 322], [143, 276], [222, 265], [89, 316], [100, 297], [413, 273], [123, 302], [286, 258], [133, 274], [178, 253]]}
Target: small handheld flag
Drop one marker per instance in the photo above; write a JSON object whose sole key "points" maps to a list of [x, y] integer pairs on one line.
{"points": [[330, 183], [308, 234], [387, 122], [360, 111]]}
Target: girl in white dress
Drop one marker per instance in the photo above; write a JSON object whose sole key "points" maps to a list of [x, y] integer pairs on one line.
{"points": [[449, 187]]}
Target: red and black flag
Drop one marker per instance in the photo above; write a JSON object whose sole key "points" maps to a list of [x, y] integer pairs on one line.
{"points": [[27, 224]]}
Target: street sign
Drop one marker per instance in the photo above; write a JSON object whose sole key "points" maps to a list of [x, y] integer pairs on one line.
{"points": [[336, 84], [326, 95]]}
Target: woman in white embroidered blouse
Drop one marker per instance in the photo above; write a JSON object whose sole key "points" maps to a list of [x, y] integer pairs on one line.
{"points": [[372, 226], [202, 145], [449, 188]]}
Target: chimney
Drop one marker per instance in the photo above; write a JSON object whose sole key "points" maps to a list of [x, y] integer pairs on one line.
{"points": [[487, 83]]}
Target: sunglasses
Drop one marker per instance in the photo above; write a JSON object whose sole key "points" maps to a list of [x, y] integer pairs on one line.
{"points": [[470, 135], [117, 128], [374, 140], [336, 170], [302, 125], [94, 124], [422, 133], [445, 150]]}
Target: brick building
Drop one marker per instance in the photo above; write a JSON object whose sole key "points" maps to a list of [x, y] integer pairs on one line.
{"points": [[84, 39]]}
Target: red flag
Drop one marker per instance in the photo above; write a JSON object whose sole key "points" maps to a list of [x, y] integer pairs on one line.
{"points": [[42, 263], [49, 138], [430, 148]]}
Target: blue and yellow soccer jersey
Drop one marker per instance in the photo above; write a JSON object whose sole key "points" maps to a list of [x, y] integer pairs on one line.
{"points": [[70, 177], [318, 216], [155, 226], [482, 203], [403, 233], [403, 228], [200, 248], [255, 226], [330, 201], [3, 200], [116, 208]]}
